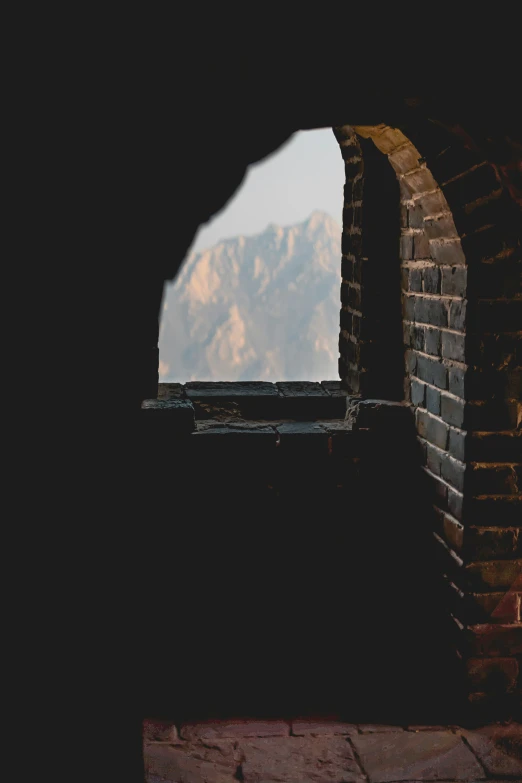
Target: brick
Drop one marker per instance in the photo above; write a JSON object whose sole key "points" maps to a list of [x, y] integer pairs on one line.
{"points": [[346, 320], [432, 342], [496, 510], [363, 271], [495, 446], [473, 185], [452, 411], [457, 314], [415, 216], [500, 607], [447, 252], [457, 443], [453, 533], [419, 181], [410, 361], [431, 280], [495, 640], [415, 280], [352, 167], [354, 297], [441, 492], [347, 268], [432, 429], [404, 159], [433, 459], [492, 674], [408, 307], [421, 246], [417, 392], [433, 400], [407, 247], [494, 479], [493, 574], [348, 213], [492, 415], [453, 472], [455, 503], [487, 242], [406, 333], [454, 160], [417, 338], [440, 226], [454, 280], [456, 377], [389, 140], [490, 543], [432, 203], [351, 296], [453, 346], [350, 243], [431, 371], [346, 136], [431, 311]]}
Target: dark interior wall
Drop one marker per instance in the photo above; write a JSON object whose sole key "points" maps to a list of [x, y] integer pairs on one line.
{"points": [[131, 144]]}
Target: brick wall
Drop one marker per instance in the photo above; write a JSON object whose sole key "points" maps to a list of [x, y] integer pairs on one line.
{"points": [[462, 326], [370, 341]]}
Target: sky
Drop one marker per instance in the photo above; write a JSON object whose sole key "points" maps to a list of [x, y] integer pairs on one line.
{"points": [[304, 175]]}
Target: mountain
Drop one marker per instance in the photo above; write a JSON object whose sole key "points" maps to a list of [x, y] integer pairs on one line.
{"points": [[262, 307]]}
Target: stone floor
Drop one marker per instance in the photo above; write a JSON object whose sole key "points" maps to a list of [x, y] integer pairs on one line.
{"points": [[328, 751]]}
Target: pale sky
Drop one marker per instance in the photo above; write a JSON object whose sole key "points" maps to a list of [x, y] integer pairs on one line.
{"points": [[306, 174]]}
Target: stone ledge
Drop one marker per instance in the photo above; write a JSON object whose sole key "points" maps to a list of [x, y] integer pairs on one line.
{"points": [[175, 415], [260, 399]]}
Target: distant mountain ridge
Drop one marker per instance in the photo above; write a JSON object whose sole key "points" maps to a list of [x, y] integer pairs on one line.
{"points": [[263, 307]]}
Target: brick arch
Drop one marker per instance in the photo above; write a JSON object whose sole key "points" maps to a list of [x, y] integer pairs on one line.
{"points": [[461, 301]]}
